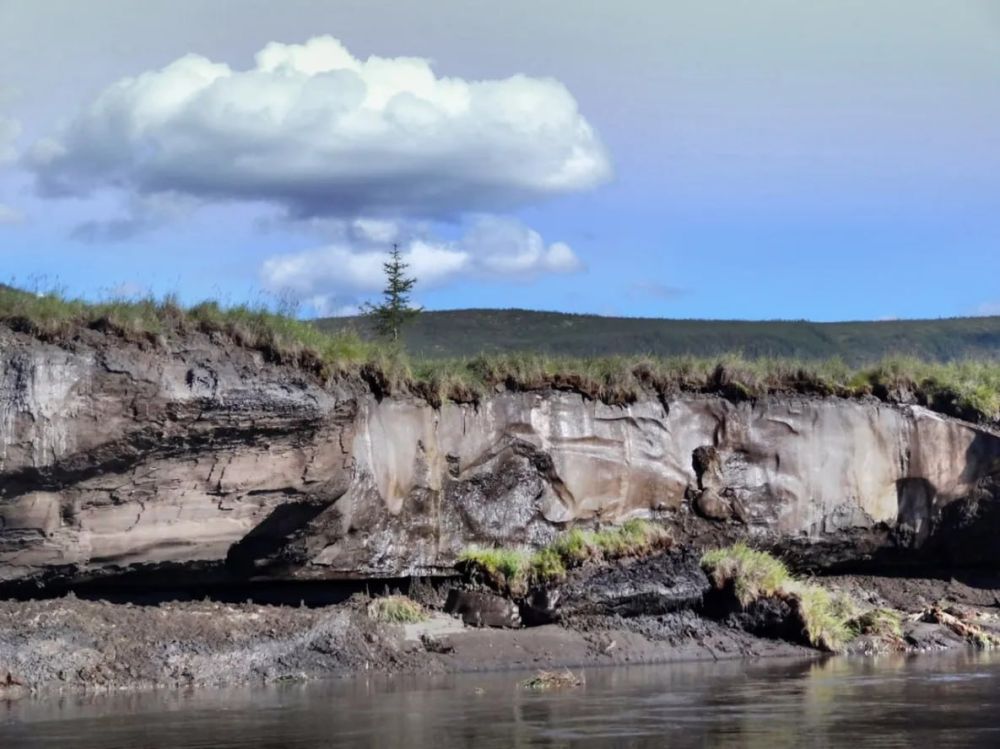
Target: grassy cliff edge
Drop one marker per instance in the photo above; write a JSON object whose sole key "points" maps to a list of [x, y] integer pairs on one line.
{"points": [[966, 388]]}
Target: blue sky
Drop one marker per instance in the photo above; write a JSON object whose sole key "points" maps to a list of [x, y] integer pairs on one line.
{"points": [[765, 159]]}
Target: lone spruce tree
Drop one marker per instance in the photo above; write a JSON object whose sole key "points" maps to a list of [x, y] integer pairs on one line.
{"points": [[395, 310]]}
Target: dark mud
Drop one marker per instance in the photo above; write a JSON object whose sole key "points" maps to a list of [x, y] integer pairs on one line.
{"points": [[626, 612]]}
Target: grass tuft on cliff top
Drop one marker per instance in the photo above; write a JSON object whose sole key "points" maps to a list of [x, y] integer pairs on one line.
{"points": [[50, 316], [753, 574], [968, 389], [514, 569]]}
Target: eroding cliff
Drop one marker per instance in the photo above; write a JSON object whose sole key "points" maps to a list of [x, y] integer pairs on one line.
{"points": [[197, 455]]}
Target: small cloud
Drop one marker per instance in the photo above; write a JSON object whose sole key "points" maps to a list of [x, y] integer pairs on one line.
{"points": [[146, 212], [9, 130], [987, 309], [376, 230], [657, 290], [507, 248], [493, 248], [330, 306], [128, 290], [10, 215]]}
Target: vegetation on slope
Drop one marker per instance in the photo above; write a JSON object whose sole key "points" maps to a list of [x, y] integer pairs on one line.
{"points": [[513, 570], [396, 610], [752, 575], [967, 388], [52, 317]]}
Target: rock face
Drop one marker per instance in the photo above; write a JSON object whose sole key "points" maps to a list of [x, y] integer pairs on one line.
{"points": [[115, 458]]}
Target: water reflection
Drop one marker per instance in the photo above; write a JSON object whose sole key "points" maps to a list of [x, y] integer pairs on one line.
{"points": [[888, 702]]}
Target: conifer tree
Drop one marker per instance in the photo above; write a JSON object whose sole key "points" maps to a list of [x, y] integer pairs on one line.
{"points": [[394, 311]]}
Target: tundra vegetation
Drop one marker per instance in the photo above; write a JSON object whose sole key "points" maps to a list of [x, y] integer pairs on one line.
{"points": [[968, 388]]}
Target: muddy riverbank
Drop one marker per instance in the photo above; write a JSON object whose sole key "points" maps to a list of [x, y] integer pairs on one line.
{"points": [[611, 615]]}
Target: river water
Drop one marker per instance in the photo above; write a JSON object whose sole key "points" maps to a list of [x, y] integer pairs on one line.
{"points": [[940, 701]]}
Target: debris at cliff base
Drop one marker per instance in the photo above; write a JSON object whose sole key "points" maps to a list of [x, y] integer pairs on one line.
{"points": [[971, 626]]}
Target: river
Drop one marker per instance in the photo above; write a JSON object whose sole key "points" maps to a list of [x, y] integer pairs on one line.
{"points": [[941, 700]]}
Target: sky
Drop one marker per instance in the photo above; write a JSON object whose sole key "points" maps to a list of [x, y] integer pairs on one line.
{"points": [[761, 159]]}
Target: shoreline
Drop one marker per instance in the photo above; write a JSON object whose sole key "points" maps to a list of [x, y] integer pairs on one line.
{"points": [[70, 645]]}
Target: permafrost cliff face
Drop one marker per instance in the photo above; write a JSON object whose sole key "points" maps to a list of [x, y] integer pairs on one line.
{"points": [[115, 459]]}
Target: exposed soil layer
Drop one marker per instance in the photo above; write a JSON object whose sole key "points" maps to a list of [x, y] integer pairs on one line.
{"points": [[122, 461]]}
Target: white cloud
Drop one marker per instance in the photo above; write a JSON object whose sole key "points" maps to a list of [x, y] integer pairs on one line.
{"points": [[128, 290], [339, 267], [144, 212], [493, 247], [9, 130], [656, 290], [988, 309], [505, 247], [10, 215], [375, 230], [322, 305], [318, 132]]}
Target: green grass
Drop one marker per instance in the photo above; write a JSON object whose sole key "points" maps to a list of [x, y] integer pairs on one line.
{"points": [[283, 339], [826, 621], [396, 610], [515, 569], [879, 622], [753, 574], [969, 388], [510, 565]]}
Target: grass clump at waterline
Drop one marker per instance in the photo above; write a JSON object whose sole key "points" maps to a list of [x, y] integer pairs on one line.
{"points": [[753, 574], [396, 610], [553, 680], [513, 570], [879, 622]]}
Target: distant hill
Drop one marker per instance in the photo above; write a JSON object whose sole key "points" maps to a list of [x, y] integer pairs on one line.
{"points": [[468, 332]]}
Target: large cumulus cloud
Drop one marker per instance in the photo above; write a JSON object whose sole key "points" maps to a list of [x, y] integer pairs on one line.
{"points": [[319, 132]]}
